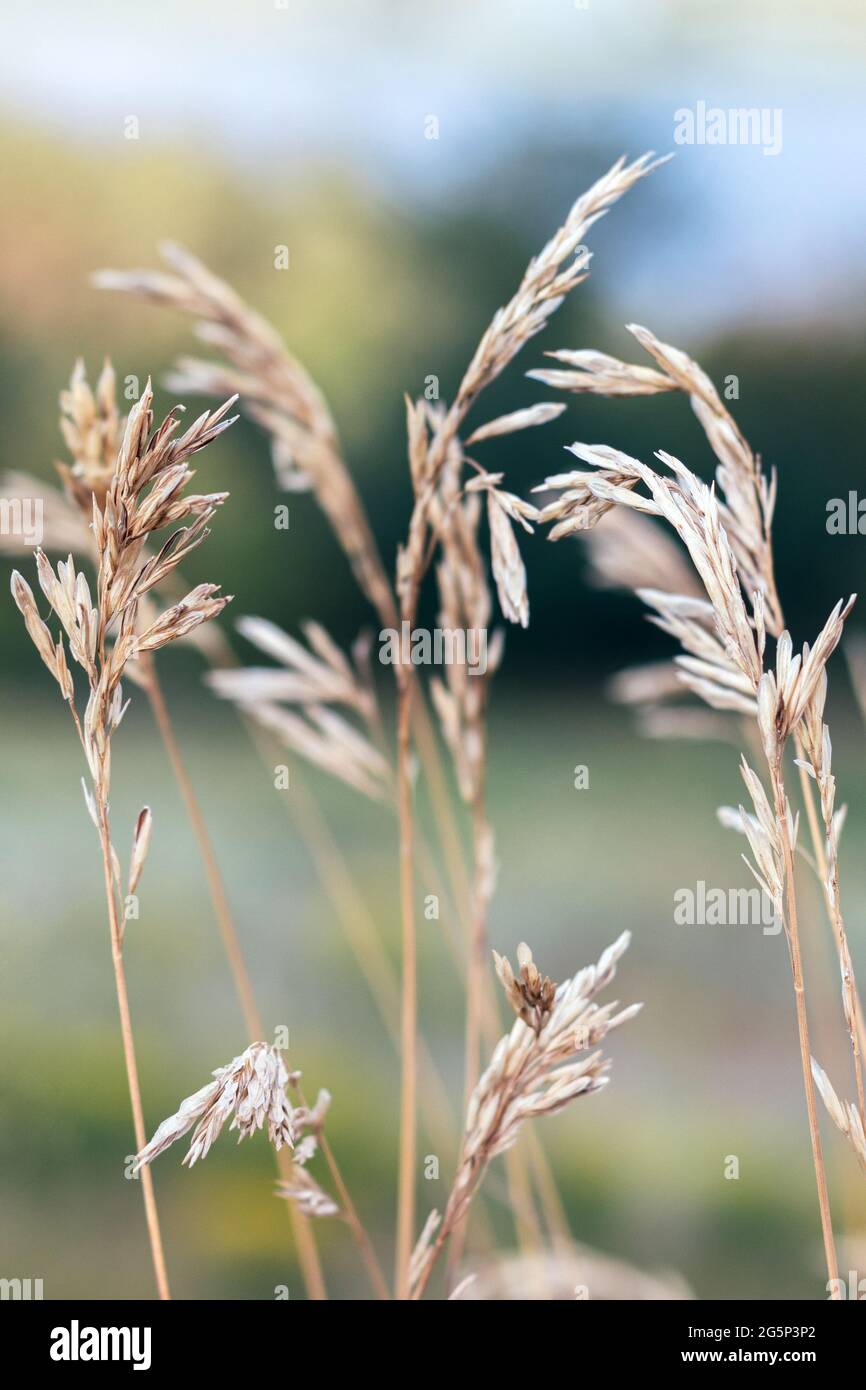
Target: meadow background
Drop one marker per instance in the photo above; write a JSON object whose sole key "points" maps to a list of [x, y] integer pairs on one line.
{"points": [[304, 126]]}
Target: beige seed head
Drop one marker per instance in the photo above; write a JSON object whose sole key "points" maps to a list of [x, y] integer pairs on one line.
{"points": [[249, 1090]]}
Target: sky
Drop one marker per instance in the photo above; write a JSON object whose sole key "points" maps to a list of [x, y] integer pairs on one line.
{"points": [[276, 87]]}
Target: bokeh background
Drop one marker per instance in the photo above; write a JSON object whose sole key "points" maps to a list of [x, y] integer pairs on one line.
{"points": [[303, 124]]}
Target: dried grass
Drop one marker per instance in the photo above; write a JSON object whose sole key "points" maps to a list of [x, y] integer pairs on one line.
{"points": [[144, 495], [535, 1070], [322, 703], [727, 534]]}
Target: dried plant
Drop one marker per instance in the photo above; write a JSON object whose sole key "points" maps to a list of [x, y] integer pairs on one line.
{"points": [[302, 1190], [634, 554], [448, 515], [847, 1118], [251, 1089], [724, 663], [435, 449], [278, 394], [537, 1069], [282, 397], [300, 1187], [747, 495], [640, 558], [92, 428], [312, 680], [817, 762], [530, 994], [144, 495], [460, 700], [126, 483], [297, 703]]}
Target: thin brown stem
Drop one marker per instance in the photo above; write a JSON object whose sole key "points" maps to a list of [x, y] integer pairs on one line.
{"points": [[477, 949], [849, 987], [460, 1200], [308, 1256], [366, 945], [440, 801], [475, 976], [350, 1211], [210, 863], [555, 1216], [364, 1243], [793, 935], [831, 902], [811, 814], [409, 1000], [146, 1177]]}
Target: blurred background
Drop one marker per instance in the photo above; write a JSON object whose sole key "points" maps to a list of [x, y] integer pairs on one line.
{"points": [[303, 124]]}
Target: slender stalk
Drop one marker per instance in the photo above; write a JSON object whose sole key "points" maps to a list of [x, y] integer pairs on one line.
{"points": [[793, 935], [442, 804], [456, 1213], [210, 863], [831, 901], [529, 1233], [365, 1245], [819, 759], [477, 949], [475, 978], [852, 1003], [305, 1241], [363, 937], [308, 1257], [409, 999], [525, 1219], [811, 814], [366, 945], [146, 1177], [551, 1202]]}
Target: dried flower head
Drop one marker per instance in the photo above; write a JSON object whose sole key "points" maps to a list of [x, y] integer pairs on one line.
{"points": [[297, 700], [250, 1089], [596, 373], [531, 1073], [140, 846], [299, 1187], [560, 266], [746, 495], [278, 393], [304, 1192], [723, 637], [532, 995], [92, 429], [144, 496]]}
